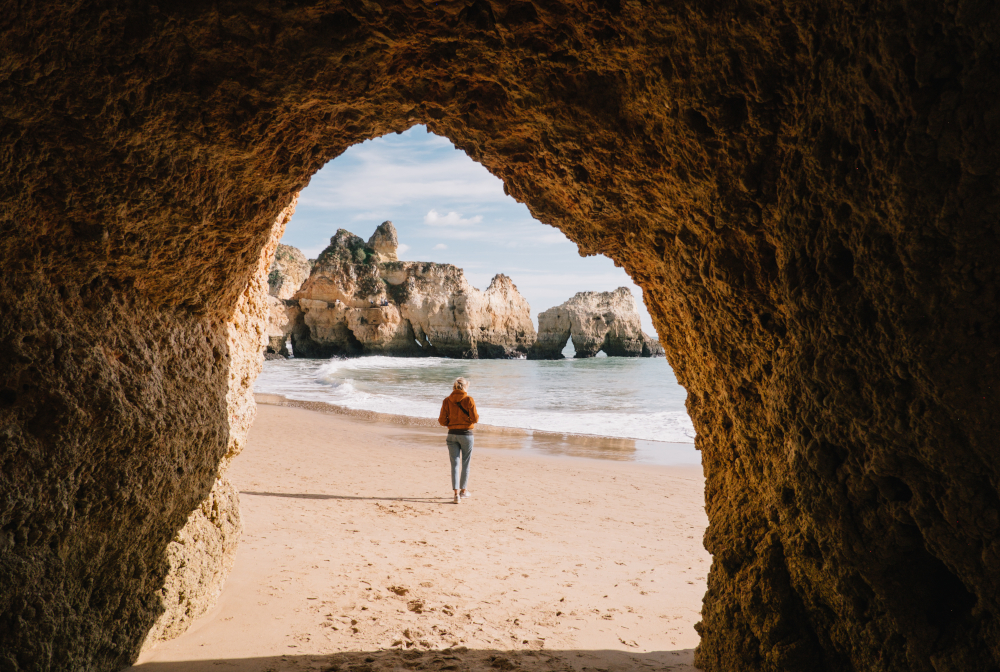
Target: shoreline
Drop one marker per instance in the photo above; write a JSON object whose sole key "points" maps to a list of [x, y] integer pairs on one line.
{"points": [[354, 558], [588, 446]]}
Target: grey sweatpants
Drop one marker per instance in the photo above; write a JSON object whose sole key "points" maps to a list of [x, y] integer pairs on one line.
{"points": [[459, 444]]}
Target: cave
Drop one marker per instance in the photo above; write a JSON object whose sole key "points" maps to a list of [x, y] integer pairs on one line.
{"points": [[806, 193]]}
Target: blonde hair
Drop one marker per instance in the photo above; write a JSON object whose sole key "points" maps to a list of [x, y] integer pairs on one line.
{"points": [[460, 384]]}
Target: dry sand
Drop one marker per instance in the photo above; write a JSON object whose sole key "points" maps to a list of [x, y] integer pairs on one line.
{"points": [[354, 558]]}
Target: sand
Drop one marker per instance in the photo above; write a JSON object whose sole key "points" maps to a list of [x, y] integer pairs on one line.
{"points": [[354, 558]]}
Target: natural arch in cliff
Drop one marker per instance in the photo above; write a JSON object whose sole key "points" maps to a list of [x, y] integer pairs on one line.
{"points": [[806, 195]]}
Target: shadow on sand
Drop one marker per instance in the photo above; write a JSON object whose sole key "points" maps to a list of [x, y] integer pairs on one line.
{"points": [[306, 495], [458, 659]]}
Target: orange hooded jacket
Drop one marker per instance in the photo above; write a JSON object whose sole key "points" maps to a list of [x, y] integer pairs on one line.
{"points": [[458, 411]]}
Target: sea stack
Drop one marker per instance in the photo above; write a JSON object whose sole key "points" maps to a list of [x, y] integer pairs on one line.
{"points": [[361, 300], [596, 321]]}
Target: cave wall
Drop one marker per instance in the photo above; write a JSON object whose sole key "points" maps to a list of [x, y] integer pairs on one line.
{"points": [[201, 556], [806, 193]]}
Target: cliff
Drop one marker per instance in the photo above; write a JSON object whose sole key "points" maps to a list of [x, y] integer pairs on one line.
{"points": [[360, 300], [607, 321], [283, 317], [288, 271]]}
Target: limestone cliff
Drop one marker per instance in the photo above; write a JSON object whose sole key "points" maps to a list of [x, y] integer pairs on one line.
{"points": [[283, 317], [385, 242], [360, 300], [288, 271], [607, 321]]}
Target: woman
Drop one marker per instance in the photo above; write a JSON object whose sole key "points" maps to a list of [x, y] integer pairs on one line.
{"points": [[459, 415]]}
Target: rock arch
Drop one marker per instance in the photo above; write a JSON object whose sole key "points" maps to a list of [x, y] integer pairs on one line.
{"points": [[806, 194], [596, 322]]}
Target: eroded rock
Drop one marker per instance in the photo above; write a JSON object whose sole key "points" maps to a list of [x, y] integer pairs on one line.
{"points": [[289, 270], [201, 556], [284, 317], [356, 303], [596, 321], [385, 242], [806, 193]]}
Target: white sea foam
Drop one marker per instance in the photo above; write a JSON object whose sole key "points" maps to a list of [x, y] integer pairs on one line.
{"points": [[614, 397]]}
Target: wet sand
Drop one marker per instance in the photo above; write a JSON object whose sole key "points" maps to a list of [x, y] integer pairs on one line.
{"points": [[354, 558], [426, 430]]}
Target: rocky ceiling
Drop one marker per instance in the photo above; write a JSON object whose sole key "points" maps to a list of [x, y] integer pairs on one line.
{"points": [[806, 192]]}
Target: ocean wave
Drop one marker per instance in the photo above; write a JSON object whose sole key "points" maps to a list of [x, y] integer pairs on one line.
{"points": [[667, 426], [380, 362], [594, 400]]}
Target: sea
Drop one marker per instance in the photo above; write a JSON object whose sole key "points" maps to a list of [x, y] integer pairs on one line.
{"points": [[601, 407]]}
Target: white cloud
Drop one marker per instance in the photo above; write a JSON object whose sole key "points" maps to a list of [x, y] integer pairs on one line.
{"points": [[440, 246], [394, 171], [402, 249], [370, 215], [434, 218], [502, 234]]}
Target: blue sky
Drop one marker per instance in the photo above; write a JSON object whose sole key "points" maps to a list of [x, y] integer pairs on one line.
{"points": [[449, 209]]}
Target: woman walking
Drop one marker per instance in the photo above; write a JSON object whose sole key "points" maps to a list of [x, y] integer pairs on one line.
{"points": [[459, 415]]}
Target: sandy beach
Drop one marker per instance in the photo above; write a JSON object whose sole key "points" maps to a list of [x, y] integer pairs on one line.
{"points": [[354, 557]]}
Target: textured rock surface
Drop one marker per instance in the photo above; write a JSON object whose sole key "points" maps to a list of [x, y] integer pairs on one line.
{"points": [[430, 309], [596, 321], [200, 559], [385, 242], [806, 192], [201, 556], [289, 270], [284, 315], [651, 347]]}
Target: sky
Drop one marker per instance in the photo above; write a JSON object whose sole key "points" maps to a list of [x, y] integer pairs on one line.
{"points": [[448, 209]]}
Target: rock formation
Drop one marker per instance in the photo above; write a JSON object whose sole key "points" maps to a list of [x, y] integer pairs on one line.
{"points": [[385, 242], [596, 321], [359, 299], [289, 270], [806, 193], [201, 556], [284, 316]]}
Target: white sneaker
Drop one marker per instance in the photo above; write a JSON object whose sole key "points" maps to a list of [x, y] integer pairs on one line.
{"points": [[465, 494], [458, 500]]}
